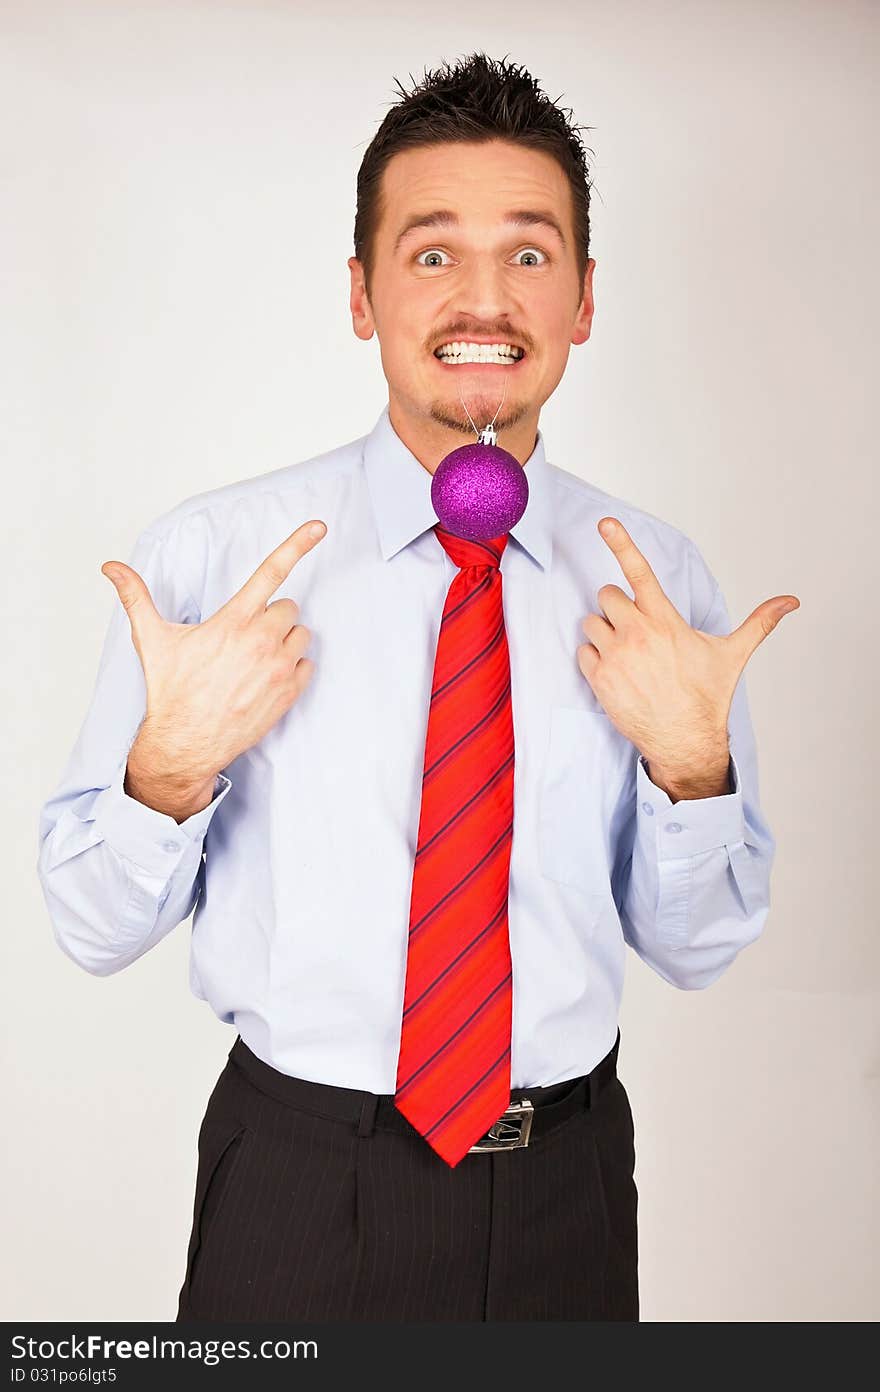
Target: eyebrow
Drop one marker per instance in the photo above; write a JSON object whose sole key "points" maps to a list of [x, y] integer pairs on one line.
{"points": [[444, 217]]}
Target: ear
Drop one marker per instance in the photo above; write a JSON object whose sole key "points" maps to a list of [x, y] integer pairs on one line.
{"points": [[580, 331], [361, 312]]}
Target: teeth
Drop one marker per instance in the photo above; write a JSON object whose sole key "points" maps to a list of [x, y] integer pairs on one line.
{"points": [[479, 352]]}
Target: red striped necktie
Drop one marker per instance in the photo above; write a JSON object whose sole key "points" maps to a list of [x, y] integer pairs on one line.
{"points": [[453, 1070]]}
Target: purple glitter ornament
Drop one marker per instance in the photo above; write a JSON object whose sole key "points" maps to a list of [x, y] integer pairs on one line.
{"points": [[479, 491]]}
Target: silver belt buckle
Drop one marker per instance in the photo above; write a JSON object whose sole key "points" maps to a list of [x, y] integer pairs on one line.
{"points": [[511, 1130]]}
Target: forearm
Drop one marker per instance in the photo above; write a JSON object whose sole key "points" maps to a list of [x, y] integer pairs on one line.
{"points": [[704, 773], [713, 780], [164, 782]]}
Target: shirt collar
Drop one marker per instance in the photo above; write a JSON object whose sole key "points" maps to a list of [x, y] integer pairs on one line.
{"points": [[400, 493]]}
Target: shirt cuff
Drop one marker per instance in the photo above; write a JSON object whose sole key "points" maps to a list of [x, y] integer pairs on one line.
{"points": [[691, 825], [151, 839]]}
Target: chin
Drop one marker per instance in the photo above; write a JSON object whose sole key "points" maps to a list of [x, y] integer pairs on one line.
{"points": [[483, 407]]}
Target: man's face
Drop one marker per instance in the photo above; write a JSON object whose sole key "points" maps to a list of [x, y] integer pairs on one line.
{"points": [[474, 275]]}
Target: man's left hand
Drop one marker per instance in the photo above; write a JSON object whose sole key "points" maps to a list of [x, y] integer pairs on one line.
{"points": [[666, 686]]}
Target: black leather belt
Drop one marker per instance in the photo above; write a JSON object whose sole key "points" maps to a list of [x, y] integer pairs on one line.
{"points": [[533, 1111]]}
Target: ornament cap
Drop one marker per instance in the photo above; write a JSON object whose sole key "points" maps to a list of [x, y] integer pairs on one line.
{"points": [[488, 435]]}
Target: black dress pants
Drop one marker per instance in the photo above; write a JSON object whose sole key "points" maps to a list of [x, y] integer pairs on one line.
{"points": [[317, 1203]]}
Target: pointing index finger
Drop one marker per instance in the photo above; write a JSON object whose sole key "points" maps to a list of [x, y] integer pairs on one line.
{"points": [[256, 592], [647, 590]]}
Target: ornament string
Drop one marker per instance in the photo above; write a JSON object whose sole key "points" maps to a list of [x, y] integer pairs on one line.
{"points": [[488, 435]]}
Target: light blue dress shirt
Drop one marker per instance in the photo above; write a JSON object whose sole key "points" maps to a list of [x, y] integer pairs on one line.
{"points": [[300, 869]]}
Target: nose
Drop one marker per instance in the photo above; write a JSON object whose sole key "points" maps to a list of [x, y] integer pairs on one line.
{"points": [[483, 295]]}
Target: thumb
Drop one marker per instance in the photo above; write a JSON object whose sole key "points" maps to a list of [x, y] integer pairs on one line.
{"points": [[134, 596], [760, 624]]}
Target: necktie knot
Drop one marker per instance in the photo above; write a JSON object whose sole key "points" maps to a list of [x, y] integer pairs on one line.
{"points": [[472, 553]]}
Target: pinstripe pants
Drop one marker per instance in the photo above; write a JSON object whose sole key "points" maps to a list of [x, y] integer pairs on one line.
{"points": [[303, 1216]]}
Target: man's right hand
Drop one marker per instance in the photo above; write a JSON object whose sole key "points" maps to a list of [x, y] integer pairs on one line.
{"points": [[215, 688]]}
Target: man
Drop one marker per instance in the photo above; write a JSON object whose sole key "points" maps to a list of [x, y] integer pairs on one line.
{"points": [[415, 862]]}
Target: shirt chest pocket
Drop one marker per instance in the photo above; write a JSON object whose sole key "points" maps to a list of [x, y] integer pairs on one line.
{"points": [[586, 764]]}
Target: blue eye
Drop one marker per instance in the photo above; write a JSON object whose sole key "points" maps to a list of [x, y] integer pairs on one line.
{"points": [[530, 251]]}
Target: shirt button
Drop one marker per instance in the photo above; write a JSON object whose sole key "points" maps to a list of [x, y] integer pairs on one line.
{"points": [[170, 846], [673, 826], [646, 807]]}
